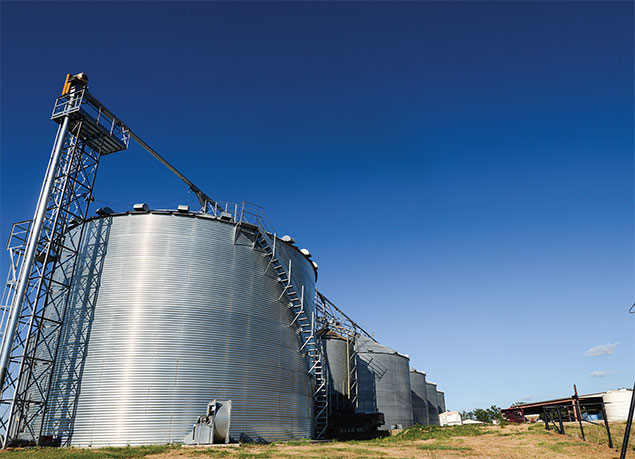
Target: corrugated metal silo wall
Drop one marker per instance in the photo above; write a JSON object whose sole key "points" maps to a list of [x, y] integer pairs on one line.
{"points": [[183, 316], [384, 383], [302, 273], [335, 350], [419, 397], [433, 407], [441, 401]]}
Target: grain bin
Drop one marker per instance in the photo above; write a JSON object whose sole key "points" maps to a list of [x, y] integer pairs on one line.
{"points": [[419, 397], [617, 403], [338, 351], [184, 313], [441, 401], [433, 406], [384, 383]]}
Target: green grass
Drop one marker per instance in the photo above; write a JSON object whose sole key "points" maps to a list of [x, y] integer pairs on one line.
{"points": [[442, 447], [255, 455], [362, 451], [560, 446], [77, 453], [304, 441], [427, 432], [440, 433], [212, 452], [520, 433]]}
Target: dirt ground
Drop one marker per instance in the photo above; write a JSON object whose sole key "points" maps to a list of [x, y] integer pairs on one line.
{"points": [[504, 442], [509, 442]]}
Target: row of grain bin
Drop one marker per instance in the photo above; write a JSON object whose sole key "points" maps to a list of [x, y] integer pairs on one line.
{"points": [[384, 380], [427, 401], [169, 310]]}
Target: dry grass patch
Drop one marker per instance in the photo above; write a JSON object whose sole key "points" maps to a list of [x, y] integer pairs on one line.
{"points": [[597, 434]]}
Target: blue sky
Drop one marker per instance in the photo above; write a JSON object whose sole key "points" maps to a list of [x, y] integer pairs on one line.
{"points": [[462, 172]]}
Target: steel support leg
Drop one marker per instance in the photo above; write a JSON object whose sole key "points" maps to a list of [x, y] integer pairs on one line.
{"points": [[606, 424], [560, 422], [629, 423]]}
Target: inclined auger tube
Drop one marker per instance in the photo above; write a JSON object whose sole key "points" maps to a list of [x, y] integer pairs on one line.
{"points": [[203, 199]]}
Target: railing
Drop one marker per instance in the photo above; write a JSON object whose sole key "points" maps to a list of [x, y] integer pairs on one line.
{"points": [[15, 246], [75, 101], [241, 212], [332, 317]]}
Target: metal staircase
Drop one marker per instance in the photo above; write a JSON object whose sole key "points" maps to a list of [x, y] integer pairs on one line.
{"points": [[304, 319]]}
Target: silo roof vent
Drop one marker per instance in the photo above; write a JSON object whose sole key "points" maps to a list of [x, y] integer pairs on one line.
{"points": [[141, 207], [102, 211], [305, 252], [287, 238]]}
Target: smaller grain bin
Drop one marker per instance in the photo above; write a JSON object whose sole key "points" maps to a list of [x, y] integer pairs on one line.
{"points": [[383, 376], [617, 403], [419, 396], [433, 406], [338, 351], [441, 401]]}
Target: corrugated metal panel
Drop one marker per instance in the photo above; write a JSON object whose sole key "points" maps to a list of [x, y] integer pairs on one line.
{"points": [[419, 397], [441, 401], [301, 276], [433, 407], [185, 316], [384, 383], [617, 404]]}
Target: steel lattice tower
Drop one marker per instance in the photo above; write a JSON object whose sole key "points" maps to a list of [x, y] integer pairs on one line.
{"points": [[43, 258]]}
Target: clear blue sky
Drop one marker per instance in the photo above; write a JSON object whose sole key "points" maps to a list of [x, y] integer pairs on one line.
{"points": [[462, 172]]}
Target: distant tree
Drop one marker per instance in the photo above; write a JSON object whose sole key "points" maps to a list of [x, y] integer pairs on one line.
{"points": [[495, 414], [482, 415], [487, 415]]}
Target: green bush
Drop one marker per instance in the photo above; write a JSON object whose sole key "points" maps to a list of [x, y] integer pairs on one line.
{"points": [[428, 432]]}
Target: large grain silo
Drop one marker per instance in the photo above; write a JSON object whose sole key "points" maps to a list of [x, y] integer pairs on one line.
{"points": [[419, 397], [433, 406], [384, 383], [185, 311]]}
